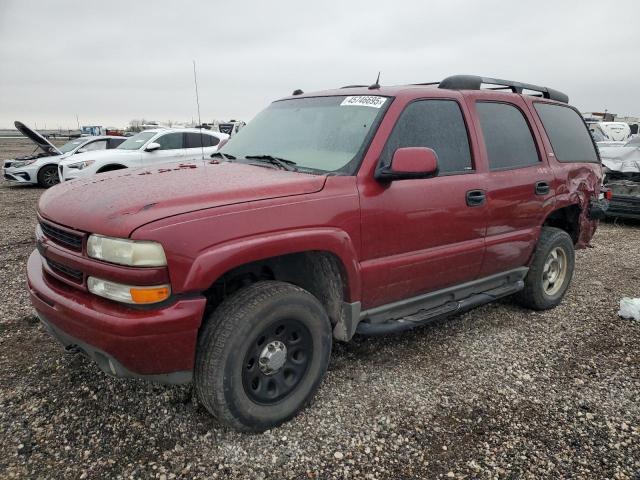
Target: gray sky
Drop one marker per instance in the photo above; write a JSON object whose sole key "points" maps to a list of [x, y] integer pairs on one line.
{"points": [[120, 60]]}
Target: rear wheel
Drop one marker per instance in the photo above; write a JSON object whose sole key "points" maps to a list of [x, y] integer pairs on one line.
{"points": [[262, 355], [550, 272], [48, 176]]}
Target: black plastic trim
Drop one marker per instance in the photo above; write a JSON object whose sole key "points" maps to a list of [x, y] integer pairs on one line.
{"points": [[474, 82]]}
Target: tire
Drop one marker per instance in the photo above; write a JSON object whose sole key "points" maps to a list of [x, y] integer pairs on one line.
{"points": [[238, 377], [48, 176], [540, 293]]}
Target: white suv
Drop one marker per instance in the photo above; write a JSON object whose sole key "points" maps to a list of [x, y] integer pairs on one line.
{"points": [[146, 149]]}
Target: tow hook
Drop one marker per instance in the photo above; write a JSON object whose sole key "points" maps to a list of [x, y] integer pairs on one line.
{"points": [[72, 349]]}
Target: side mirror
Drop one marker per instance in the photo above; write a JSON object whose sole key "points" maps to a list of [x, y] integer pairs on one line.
{"points": [[81, 150], [152, 146], [408, 163]]}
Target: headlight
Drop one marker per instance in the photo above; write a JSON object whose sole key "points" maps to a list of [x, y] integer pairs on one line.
{"points": [[127, 293], [126, 252], [22, 163], [81, 165]]}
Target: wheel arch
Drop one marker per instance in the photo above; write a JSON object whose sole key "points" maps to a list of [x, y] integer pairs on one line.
{"points": [[566, 218], [110, 167], [323, 262]]}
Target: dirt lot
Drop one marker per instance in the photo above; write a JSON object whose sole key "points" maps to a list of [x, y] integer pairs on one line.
{"points": [[500, 392]]}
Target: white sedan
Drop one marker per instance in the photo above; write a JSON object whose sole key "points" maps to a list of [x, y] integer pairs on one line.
{"points": [[41, 166], [146, 149]]}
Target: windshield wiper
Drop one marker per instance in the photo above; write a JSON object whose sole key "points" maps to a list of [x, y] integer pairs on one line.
{"points": [[284, 164], [225, 156]]}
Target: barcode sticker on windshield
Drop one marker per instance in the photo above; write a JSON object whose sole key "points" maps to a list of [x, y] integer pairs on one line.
{"points": [[364, 101]]}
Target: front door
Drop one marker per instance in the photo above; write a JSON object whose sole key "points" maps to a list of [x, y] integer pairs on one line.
{"points": [[422, 235], [171, 150]]}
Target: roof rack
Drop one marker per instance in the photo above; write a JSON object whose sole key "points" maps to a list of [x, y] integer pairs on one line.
{"points": [[474, 82]]}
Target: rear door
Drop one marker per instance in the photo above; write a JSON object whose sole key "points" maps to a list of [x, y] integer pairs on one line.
{"points": [[520, 187], [200, 145], [171, 149], [422, 235]]}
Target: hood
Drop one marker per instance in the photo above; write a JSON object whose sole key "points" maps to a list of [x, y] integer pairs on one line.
{"points": [[38, 139], [621, 159], [116, 203]]}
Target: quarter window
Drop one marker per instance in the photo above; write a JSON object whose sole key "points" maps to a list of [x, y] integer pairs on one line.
{"points": [[436, 124], [567, 133], [170, 141], [507, 136]]}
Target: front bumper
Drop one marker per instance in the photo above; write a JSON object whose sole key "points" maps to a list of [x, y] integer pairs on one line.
{"points": [[27, 174], [157, 344]]}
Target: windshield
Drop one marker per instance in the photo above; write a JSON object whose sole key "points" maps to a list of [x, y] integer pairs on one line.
{"points": [[137, 141], [67, 147], [321, 133]]}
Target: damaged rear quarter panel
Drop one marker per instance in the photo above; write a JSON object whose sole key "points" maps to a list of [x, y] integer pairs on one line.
{"points": [[577, 185]]}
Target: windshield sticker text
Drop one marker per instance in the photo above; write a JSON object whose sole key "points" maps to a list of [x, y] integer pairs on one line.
{"points": [[364, 101]]}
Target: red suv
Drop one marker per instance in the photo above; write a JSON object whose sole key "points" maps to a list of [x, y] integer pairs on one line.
{"points": [[359, 210]]}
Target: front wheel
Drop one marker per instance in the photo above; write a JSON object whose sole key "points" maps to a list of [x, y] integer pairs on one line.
{"points": [[550, 272], [262, 355], [48, 176]]}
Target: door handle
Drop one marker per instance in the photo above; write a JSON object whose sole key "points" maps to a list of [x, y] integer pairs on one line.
{"points": [[542, 188], [475, 198]]}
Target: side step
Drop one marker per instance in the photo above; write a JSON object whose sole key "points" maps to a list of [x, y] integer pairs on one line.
{"points": [[425, 316]]}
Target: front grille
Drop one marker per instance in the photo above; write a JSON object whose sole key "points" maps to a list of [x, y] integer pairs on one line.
{"points": [[63, 237], [65, 271]]}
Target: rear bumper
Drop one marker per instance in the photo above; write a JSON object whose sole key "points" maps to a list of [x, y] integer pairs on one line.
{"points": [[624, 206], [158, 344]]}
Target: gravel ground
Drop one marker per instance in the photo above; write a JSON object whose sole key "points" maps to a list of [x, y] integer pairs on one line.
{"points": [[500, 392]]}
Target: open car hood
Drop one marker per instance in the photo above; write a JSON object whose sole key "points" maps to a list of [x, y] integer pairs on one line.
{"points": [[116, 203], [38, 139]]}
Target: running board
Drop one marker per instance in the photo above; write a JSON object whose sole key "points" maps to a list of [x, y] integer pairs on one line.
{"points": [[425, 310]]}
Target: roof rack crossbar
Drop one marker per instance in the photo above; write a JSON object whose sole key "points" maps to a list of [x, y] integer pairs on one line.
{"points": [[474, 82]]}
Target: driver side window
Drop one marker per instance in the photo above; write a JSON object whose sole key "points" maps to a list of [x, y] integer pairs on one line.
{"points": [[436, 124], [98, 145], [171, 141]]}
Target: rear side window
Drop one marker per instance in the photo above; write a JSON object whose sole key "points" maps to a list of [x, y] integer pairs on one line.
{"points": [[567, 133], [436, 124], [196, 140], [170, 141], [507, 136]]}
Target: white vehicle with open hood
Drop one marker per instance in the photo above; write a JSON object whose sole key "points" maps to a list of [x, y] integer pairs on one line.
{"points": [[146, 149], [41, 166]]}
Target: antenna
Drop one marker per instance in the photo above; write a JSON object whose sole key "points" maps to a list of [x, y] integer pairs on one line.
{"points": [[195, 81], [376, 85]]}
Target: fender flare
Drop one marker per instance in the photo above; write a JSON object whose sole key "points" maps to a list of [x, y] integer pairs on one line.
{"points": [[214, 262]]}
